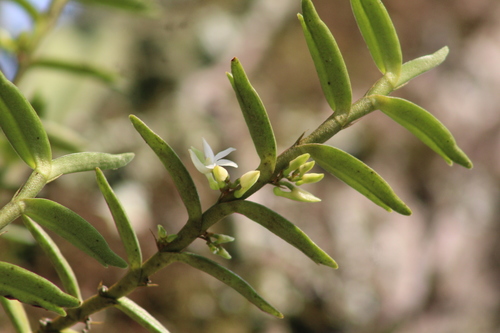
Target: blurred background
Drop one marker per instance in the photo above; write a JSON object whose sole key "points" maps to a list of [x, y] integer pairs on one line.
{"points": [[435, 271]]}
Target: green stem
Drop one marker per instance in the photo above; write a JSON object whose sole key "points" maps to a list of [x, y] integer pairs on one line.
{"points": [[107, 298], [43, 25]]}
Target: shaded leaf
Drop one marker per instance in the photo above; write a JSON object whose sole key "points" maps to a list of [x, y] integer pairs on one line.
{"points": [[30, 288], [73, 228], [23, 128], [95, 72], [133, 6], [61, 265], [328, 60], [424, 126], [228, 277], [175, 168], [17, 315], [88, 161], [140, 315], [380, 36], [127, 233], [256, 118], [356, 174]]}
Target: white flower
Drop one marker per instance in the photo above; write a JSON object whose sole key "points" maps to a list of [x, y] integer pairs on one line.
{"points": [[205, 163]]}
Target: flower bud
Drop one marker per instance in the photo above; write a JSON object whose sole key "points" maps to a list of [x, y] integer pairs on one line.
{"points": [[306, 167], [296, 163], [296, 194], [246, 182], [310, 178], [220, 175]]}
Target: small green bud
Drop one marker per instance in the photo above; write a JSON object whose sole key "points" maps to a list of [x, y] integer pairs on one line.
{"points": [[296, 194], [246, 182], [310, 178], [171, 238], [220, 239], [296, 163], [223, 253], [162, 233]]}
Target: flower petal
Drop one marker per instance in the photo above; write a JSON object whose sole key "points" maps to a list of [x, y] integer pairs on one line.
{"points": [[197, 163], [223, 153], [209, 153], [224, 162]]}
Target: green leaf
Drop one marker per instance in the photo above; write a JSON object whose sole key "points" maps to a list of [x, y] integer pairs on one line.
{"points": [[175, 168], [380, 36], [73, 228], [140, 315], [415, 67], [88, 161], [256, 118], [133, 6], [127, 233], [30, 288], [284, 229], [356, 174], [17, 315], [328, 60], [95, 72], [229, 278], [424, 126], [23, 128], [61, 265]]}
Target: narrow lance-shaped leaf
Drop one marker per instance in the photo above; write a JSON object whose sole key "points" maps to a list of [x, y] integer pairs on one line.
{"points": [[61, 265], [88, 161], [356, 174], [330, 66], [100, 74], [132, 6], [17, 315], [424, 126], [23, 128], [175, 168], [256, 118], [73, 228], [127, 233], [272, 221], [415, 67], [229, 278], [380, 36], [140, 315], [30, 288]]}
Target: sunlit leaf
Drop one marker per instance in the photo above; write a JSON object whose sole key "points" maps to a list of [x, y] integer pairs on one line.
{"points": [[272, 221], [356, 174], [415, 67], [174, 166], [88, 161], [424, 126], [256, 118], [23, 128], [380, 36], [328, 60], [73, 228]]}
